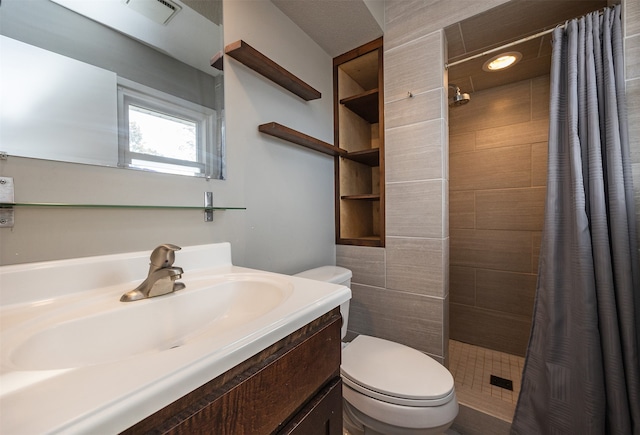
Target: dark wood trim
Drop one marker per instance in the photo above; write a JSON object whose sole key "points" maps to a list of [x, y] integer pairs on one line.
{"points": [[383, 189], [260, 63], [336, 160], [298, 138], [359, 51]]}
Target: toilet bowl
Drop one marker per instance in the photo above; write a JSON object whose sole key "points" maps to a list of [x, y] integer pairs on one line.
{"points": [[389, 388]]}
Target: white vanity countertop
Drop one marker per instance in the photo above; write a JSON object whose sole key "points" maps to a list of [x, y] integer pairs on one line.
{"points": [[110, 396]]}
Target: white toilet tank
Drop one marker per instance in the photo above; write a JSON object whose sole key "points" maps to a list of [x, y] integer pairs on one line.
{"points": [[335, 275]]}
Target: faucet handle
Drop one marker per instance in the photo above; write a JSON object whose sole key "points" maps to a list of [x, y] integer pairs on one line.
{"points": [[163, 256]]}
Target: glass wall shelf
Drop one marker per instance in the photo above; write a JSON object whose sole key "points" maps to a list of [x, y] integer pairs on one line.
{"points": [[122, 206]]}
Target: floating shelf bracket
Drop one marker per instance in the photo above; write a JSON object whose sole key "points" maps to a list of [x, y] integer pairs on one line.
{"points": [[260, 63]]}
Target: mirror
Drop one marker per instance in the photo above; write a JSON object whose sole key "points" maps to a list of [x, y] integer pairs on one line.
{"points": [[135, 84]]}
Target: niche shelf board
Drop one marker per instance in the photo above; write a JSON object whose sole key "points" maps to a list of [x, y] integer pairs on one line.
{"points": [[362, 197], [364, 105], [260, 63], [368, 157], [293, 136]]}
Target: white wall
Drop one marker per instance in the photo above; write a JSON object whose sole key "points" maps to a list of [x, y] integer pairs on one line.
{"points": [[288, 189], [288, 192]]}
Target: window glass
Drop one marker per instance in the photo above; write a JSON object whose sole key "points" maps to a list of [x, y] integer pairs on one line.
{"points": [[163, 133]]}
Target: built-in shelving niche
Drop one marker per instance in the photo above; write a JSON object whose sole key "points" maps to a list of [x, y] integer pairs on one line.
{"points": [[359, 126]]}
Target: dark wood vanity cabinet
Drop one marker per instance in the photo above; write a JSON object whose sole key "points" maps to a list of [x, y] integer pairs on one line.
{"points": [[292, 387]]}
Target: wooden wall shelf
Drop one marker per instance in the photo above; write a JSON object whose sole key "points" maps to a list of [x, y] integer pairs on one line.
{"points": [[364, 105], [363, 197], [260, 63], [293, 136]]}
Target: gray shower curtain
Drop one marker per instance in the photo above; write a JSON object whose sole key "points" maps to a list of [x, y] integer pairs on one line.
{"points": [[581, 373]]}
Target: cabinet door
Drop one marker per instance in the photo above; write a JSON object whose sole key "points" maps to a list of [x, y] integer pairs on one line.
{"points": [[321, 416]]}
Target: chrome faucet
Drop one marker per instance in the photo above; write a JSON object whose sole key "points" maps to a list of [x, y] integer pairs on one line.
{"points": [[162, 275]]}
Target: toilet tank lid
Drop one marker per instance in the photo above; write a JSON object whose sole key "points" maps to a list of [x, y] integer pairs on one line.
{"points": [[333, 274]]}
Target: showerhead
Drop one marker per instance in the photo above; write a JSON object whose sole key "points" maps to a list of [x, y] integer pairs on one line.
{"points": [[459, 98]]}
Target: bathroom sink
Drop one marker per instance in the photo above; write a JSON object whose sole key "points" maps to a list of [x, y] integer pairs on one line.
{"points": [[122, 330], [84, 362]]}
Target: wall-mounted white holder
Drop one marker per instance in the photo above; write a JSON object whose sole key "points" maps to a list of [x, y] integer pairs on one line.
{"points": [[6, 197]]}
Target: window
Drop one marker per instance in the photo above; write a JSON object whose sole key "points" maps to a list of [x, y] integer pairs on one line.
{"points": [[162, 133]]}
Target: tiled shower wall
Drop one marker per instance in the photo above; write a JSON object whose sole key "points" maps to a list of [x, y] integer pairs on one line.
{"points": [[497, 178], [401, 292], [385, 303]]}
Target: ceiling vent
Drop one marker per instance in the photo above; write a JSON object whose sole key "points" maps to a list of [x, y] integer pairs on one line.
{"points": [[160, 11]]}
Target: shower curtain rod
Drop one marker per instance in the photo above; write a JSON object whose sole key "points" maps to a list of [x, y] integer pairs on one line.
{"points": [[510, 44]]}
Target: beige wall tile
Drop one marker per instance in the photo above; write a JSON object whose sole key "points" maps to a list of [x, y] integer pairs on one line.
{"points": [[411, 67], [417, 265], [420, 108], [632, 55], [536, 240], [491, 169], [635, 171], [414, 152], [491, 249], [500, 331], [539, 152], [462, 212], [510, 209], [407, 20], [415, 209], [462, 289], [495, 107], [633, 107], [461, 142], [514, 134], [540, 97], [506, 292], [631, 17], [406, 318], [366, 263]]}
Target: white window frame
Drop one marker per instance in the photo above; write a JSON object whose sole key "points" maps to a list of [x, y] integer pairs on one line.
{"points": [[132, 93]]}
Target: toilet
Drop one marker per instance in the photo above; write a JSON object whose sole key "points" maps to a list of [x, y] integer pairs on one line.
{"points": [[389, 388]]}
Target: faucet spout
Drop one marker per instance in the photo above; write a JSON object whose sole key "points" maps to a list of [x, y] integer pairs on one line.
{"points": [[162, 276]]}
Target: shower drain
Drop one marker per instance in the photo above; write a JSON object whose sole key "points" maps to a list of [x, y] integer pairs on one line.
{"points": [[507, 384]]}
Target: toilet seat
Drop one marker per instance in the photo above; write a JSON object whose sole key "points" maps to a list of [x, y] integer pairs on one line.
{"points": [[395, 373]]}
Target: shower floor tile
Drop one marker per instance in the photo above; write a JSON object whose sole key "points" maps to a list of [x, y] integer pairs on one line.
{"points": [[472, 367]]}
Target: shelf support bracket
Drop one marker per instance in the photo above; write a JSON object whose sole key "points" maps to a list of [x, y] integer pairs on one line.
{"points": [[208, 206], [6, 196]]}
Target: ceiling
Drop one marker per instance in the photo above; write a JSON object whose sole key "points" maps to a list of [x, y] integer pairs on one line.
{"points": [[335, 25], [507, 23], [341, 25]]}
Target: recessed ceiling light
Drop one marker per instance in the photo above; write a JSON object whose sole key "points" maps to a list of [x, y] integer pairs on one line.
{"points": [[502, 61]]}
